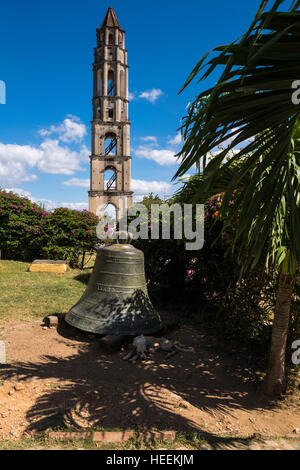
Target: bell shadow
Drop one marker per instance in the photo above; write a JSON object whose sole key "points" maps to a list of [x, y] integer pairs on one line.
{"points": [[74, 334], [83, 278]]}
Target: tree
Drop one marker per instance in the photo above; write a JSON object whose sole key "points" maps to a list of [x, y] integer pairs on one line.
{"points": [[251, 106]]}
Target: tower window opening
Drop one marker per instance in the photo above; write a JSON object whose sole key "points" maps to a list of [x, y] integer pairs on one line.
{"points": [[111, 83], [110, 145], [110, 212], [111, 39], [110, 179], [110, 112]]}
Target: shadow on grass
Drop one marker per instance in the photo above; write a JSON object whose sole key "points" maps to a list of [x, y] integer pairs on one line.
{"points": [[83, 278]]}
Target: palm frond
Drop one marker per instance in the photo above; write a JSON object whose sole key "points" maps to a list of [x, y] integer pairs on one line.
{"points": [[252, 100]]}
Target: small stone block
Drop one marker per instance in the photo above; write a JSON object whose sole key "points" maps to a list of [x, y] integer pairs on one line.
{"points": [[68, 436], [2, 353], [51, 321], [112, 344], [48, 266], [113, 436], [19, 386], [162, 435]]}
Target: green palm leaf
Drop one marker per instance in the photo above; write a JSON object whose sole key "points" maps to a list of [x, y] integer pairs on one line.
{"points": [[252, 100]]}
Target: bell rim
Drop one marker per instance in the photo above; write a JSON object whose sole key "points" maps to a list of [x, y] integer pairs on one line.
{"points": [[106, 331]]}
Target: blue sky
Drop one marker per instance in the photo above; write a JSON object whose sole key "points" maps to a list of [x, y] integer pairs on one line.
{"points": [[46, 63]]}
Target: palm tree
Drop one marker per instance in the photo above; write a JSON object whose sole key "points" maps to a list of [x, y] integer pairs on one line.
{"points": [[251, 106]]}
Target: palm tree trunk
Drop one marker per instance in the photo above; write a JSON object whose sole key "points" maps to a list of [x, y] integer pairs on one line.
{"points": [[275, 381]]}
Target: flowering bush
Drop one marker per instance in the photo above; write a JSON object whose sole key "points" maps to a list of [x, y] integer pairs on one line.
{"points": [[27, 231], [173, 272], [68, 233], [206, 283]]}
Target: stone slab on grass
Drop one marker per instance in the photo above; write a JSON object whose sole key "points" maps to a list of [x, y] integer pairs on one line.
{"points": [[51, 321], [48, 266]]}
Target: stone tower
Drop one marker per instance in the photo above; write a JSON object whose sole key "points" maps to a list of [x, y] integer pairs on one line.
{"points": [[110, 124]]}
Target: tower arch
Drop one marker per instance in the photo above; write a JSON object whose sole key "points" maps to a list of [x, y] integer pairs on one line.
{"points": [[110, 143], [111, 83]]}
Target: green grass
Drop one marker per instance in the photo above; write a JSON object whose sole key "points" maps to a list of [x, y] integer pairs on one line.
{"points": [[193, 441], [189, 441], [26, 296]]}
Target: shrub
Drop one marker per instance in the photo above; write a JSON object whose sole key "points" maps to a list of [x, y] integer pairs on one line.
{"points": [[173, 272], [67, 233], [207, 283], [27, 231]]}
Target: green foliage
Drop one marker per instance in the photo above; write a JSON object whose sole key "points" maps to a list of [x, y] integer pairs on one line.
{"points": [[67, 233], [252, 106], [247, 311], [206, 283], [28, 232]]}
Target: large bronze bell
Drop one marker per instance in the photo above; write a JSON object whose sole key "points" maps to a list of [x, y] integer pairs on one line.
{"points": [[116, 300]]}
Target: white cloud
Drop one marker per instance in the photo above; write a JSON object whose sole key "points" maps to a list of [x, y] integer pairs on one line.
{"points": [[163, 157], [138, 198], [48, 204], [70, 130], [139, 187], [177, 140], [80, 183], [57, 159], [150, 138], [151, 95], [21, 192], [15, 161], [18, 163], [142, 187]]}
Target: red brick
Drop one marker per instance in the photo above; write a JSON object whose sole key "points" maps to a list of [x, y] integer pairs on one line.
{"points": [[162, 435], [67, 436], [113, 436]]}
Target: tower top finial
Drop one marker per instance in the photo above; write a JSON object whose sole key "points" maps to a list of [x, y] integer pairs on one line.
{"points": [[110, 19]]}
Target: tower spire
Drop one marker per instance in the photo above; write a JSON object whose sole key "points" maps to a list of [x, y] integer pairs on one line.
{"points": [[110, 20]]}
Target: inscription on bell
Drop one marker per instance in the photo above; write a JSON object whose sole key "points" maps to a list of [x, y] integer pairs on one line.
{"points": [[124, 290], [110, 259]]}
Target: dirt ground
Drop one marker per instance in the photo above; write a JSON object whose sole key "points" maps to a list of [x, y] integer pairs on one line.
{"points": [[60, 378]]}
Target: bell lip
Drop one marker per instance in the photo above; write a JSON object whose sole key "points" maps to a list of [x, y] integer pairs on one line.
{"points": [[103, 331]]}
